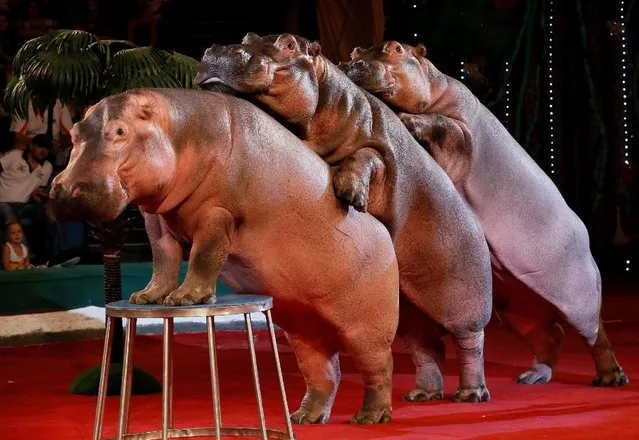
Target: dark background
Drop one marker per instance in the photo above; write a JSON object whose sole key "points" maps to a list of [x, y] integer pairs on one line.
{"points": [[483, 34]]}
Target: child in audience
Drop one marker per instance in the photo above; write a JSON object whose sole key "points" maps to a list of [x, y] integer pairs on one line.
{"points": [[15, 255]]}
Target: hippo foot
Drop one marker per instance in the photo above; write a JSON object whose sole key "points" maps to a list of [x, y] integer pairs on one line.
{"points": [[188, 297], [614, 378], [420, 395], [372, 416], [539, 374], [412, 123], [149, 296], [474, 395], [305, 417], [350, 188]]}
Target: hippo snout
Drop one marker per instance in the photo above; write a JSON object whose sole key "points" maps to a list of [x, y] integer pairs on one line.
{"points": [[78, 190], [85, 200]]}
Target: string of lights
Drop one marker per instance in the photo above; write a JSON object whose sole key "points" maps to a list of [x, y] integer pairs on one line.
{"points": [[507, 113], [551, 128], [624, 92]]}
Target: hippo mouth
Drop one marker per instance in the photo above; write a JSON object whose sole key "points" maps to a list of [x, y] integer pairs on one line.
{"points": [[385, 86], [203, 80], [377, 80]]}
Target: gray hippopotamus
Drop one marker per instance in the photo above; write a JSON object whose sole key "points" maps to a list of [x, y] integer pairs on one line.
{"points": [[543, 269], [445, 279], [257, 209]]}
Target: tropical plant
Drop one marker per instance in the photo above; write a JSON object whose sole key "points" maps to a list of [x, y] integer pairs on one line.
{"points": [[76, 67]]}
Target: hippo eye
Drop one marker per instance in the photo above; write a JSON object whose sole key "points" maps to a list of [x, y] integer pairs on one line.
{"points": [[290, 45], [120, 131], [398, 49]]}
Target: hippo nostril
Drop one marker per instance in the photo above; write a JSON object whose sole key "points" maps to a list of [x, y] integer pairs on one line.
{"points": [[79, 189], [55, 191]]}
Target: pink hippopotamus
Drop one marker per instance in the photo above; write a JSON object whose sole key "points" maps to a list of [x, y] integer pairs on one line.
{"points": [[544, 272], [252, 205], [445, 278]]}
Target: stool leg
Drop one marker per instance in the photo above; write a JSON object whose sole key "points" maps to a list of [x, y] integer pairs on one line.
{"points": [[210, 326], [104, 374], [127, 375], [256, 379], [287, 415], [167, 378]]}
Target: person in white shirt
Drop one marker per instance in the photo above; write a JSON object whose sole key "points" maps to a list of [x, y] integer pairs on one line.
{"points": [[24, 176], [36, 123]]}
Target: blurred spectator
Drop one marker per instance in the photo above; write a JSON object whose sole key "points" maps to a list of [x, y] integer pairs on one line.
{"points": [[94, 20], [149, 13], [36, 123], [15, 254], [7, 44], [35, 23], [24, 177]]}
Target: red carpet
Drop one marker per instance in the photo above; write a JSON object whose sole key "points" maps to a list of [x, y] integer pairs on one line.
{"points": [[35, 404]]}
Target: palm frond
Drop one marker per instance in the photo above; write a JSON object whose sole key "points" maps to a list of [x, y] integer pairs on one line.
{"points": [[138, 61], [52, 75], [184, 68], [105, 49], [67, 41], [28, 50], [16, 97]]}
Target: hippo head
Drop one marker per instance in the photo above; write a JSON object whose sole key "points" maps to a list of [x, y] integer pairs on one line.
{"points": [[252, 66], [397, 73], [119, 156]]}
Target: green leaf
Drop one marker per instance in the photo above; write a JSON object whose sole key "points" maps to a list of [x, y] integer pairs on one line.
{"points": [[138, 61], [28, 50], [183, 68], [62, 76], [16, 97], [66, 41]]}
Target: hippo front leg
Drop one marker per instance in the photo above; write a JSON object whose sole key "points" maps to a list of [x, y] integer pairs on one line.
{"points": [[167, 256], [446, 139], [353, 178], [211, 245]]}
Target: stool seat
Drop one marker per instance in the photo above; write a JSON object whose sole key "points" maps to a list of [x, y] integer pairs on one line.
{"points": [[224, 305]]}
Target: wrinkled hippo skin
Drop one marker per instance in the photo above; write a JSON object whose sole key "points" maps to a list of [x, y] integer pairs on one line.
{"points": [[543, 268], [257, 209], [445, 280]]}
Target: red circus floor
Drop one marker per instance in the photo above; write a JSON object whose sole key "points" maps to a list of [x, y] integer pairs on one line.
{"points": [[35, 403]]}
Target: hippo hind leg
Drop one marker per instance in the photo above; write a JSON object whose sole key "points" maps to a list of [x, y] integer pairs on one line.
{"points": [[372, 355], [470, 356], [536, 325], [609, 372], [319, 364], [426, 347], [585, 317]]}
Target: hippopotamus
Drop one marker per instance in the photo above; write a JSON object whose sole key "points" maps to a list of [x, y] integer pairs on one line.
{"points": [[220, 179], [444, 263], [544, 272]]}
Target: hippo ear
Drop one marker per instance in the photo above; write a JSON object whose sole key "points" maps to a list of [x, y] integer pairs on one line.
{"points": [[250, 38], [356, 52], [315, 49], [420, 50]]}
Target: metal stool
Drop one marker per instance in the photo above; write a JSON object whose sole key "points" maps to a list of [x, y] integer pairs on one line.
{"points": [[225, 305]]}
